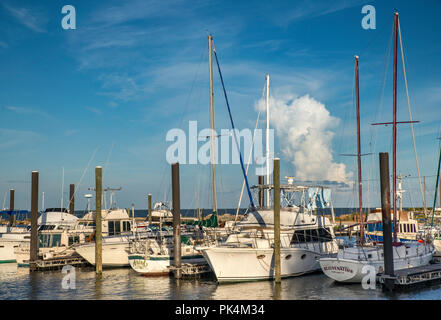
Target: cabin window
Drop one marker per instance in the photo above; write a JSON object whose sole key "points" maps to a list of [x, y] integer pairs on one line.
{"points": [[117, 227], [56, 240], [404, 228], [401, 228], [126, 226], [114, 228], [46, 227], [74, 239], [309, 235]]}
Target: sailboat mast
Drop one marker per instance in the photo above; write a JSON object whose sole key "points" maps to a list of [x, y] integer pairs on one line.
{"points": [[268, 203], [395, 129], [360, 195], [213, 150]]}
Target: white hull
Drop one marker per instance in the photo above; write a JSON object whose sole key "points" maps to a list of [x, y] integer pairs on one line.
{"points": [[244, 264], [437, 244], [159, 265], [7, 254], [114, 254], [351, 270]]}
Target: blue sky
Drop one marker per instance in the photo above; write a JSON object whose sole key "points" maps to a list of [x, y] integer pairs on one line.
{"points": [[107, 92]]}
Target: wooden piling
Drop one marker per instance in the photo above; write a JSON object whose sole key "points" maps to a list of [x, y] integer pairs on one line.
{"points": [[261, 181], [34, 217], [199, 214], [149, 197], [387, 224], [98, 220], [72, 199], [176, 221], [276, 180], [11, 206]]}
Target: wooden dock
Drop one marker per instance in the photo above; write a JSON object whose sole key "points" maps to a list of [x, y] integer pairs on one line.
{"points": [[57, 263], [407, 278]]}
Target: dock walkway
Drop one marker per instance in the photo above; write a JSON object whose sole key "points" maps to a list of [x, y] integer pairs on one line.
{"points": [[57, 263], [414, 276]]}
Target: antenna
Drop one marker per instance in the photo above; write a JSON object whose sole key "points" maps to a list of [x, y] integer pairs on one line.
{"points": [[88, 196]]}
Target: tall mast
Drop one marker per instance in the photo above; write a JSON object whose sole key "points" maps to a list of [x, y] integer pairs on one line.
{"points": [[213, 156], [360, 195], [268, 202], [395, 129]]}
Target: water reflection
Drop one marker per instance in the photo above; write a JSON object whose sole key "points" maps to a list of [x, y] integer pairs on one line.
{"points": [[124, 283]]}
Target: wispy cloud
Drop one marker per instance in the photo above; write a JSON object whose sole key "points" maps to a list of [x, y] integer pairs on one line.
{"points": [[70, 132], [311, 9], [29, 111], [12, 138], [94, 110], [31, 18]]}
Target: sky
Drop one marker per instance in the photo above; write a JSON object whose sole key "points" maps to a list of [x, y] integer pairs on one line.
{"points": [[107, 92]]}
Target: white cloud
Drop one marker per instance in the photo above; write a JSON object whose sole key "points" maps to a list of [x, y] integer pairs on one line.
{"points": [[304, 127]]}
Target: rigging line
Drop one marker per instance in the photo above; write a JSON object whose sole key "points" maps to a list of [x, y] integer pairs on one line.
{"points": [[379, 107], [85, 170], [410, 119], [186, 105], [249, 156], [232, 124], [249, 161], [108, 157]]}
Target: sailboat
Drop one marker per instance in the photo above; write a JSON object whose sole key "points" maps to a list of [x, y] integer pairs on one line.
{"points": [[154, 256], [349, 263]]}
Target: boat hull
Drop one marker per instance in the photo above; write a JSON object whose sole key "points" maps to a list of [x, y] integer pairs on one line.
{"points": [[113, 254], [351, 270], [249, 264], [159, 266], [7, 254]]}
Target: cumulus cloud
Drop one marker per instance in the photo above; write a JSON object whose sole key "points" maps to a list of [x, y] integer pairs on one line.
{"points": [[304, 128]]}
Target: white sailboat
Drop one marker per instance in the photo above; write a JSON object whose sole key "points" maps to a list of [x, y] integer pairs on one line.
{"points": [[349, 263]]}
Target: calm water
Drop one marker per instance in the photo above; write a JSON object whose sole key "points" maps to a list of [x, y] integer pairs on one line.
{"points": [[17, 283]]}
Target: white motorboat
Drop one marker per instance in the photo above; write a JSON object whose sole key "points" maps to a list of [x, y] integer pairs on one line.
{"points": [[249, 253], [52, 219]]}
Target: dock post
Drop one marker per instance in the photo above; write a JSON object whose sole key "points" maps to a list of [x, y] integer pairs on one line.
{"points": [[261, 181], [34, 219], [72, 199], [11, 207], [149, 197], [199, 214], [176, 220], [276, 179], [387, 224], [98, 222]]}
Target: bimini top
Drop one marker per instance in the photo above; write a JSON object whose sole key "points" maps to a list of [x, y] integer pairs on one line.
{"points": [[289, 217], [112, 214], [56, 218]]}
